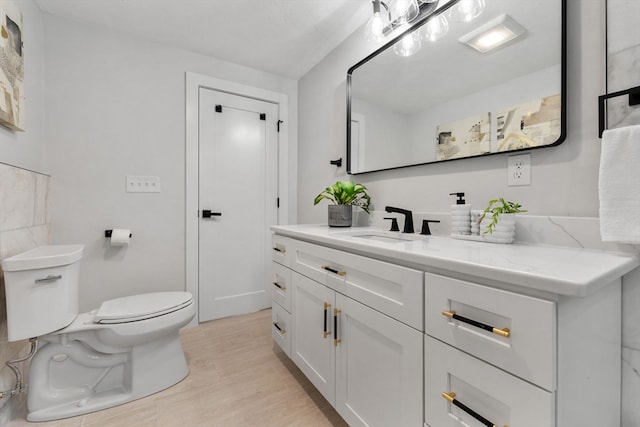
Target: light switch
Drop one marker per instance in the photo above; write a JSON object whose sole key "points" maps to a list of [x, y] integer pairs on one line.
{"points": [[142, 184]]}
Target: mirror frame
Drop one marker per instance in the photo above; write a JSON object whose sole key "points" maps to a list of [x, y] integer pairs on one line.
{"points": [[423, 20]]}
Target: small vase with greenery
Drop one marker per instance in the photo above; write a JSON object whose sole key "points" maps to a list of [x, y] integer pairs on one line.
{"points": [[497, 208], [344, 194]]}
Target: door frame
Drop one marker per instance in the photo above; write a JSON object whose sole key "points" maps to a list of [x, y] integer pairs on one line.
{"points": [[194, 82]]}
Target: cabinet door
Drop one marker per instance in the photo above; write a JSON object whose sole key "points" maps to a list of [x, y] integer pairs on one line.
{"points": [[378, 368], [312, 344]]}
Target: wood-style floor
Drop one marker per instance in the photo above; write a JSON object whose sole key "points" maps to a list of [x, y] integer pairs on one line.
{"points": [[238, 378]]}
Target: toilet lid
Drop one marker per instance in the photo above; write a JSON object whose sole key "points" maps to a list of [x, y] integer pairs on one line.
{"points": [[140, 307]]}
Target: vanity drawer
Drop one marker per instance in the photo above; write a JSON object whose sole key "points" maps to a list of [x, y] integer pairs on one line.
{"points": [[498, 397], [391, 289], [280, 285], [281, 249], [529, 348], [281, 328]]}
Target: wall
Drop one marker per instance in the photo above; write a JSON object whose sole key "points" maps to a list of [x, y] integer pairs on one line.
{"points": [[115, 107], [24, 195], [564, 178]]}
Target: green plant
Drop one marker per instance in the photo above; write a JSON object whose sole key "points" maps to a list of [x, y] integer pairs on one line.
{"points": [[346, 193], [502, 207]]}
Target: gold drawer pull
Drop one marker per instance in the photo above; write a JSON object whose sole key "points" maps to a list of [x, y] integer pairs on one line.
{"points": [[451, 397], [504, 332], [334, 271], [278, 285], [282, 331], [282, 251]]}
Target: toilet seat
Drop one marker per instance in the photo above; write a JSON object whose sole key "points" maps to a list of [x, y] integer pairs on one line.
{"points": [[140, 307]]}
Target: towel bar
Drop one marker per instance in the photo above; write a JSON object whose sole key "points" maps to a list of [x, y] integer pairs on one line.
{"points": [[634, 99]]}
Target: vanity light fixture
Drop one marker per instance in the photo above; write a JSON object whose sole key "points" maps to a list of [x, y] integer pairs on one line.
{"points": [[494, 33], [390, 14], [408, 45], [374, 30], [436, 28], [466, 10]]}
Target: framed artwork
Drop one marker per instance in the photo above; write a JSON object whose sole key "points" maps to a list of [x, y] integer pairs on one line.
{"points": [[11, 67], [464, 138], [529, 124]]}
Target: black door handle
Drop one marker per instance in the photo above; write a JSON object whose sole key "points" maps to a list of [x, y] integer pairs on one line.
{"points": [[206, 213]]}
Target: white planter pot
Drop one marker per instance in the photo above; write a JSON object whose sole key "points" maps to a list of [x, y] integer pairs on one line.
{"points": [[503, 232]]}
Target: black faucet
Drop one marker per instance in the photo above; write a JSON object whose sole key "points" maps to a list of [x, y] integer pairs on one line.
{"points": [[408, 218]]}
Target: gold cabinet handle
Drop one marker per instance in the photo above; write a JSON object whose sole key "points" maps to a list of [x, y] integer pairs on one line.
{"points": [[334, 271], [504, 332], [451, 397], [282, 331], [282, 251], [326, 331], [278, 285], [336, 341]]}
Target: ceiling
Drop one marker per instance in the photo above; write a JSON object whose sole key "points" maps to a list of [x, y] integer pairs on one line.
{"points": [[284, 37]]}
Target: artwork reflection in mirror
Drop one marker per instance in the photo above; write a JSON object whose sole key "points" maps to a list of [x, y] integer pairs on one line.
{"points": [[450, 100]]}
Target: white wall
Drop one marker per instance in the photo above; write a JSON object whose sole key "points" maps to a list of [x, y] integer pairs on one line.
{"points": [[26, 149], [115, 107], [564, 178]]}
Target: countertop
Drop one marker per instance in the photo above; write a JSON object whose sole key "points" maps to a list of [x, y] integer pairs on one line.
{"points": [[554, 269]]}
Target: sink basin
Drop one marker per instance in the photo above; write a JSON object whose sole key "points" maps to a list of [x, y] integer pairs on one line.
{"points": [[384, 236]]}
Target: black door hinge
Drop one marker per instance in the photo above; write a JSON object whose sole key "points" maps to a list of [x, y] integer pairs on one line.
{"points": [[278, 124], [277, 202], [263, 116], [218, 108]]}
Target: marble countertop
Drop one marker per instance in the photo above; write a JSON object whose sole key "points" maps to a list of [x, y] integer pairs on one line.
{"points": [[554, 269]]}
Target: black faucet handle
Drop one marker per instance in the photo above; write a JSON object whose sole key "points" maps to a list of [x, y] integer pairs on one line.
{"points": [[425, 226], [394, 224]]}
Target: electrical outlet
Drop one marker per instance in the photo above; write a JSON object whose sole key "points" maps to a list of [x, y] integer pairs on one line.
{"points": [[519, 170], [143, 184]]}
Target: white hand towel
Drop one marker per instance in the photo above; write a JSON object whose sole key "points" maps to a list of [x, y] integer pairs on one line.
{"points": [[619, 185]]}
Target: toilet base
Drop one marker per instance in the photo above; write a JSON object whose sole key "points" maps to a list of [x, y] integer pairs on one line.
{"points": [[67, 377]]}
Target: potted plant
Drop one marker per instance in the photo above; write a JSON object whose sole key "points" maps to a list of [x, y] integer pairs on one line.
{"points": [[344, 194], [500, 226]]}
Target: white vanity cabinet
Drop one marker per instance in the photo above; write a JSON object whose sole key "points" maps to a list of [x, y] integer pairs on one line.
{"points": [[447, 333], [366, 363]]}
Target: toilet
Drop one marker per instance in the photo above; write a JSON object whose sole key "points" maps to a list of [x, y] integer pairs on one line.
{"points": [[126, 349]]}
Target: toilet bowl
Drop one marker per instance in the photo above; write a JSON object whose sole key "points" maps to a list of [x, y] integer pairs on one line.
{"points": [[126, 349]]}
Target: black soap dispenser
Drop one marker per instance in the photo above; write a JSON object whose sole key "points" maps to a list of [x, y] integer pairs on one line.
{"points": [[460, 215]]}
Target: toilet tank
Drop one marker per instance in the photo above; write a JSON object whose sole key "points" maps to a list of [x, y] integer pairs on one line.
{"points": [[42, 290]]}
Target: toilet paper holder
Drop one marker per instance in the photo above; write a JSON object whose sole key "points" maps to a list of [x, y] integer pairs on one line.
{"points": [[107, 233]]}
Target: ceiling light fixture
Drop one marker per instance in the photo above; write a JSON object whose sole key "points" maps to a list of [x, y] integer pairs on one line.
{"points": [[494, 33]]}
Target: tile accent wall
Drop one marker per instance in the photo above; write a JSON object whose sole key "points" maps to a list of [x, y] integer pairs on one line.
{"points": [[25, 223]]}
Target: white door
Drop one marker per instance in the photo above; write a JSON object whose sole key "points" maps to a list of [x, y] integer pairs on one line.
{"points": [[237, 202]]}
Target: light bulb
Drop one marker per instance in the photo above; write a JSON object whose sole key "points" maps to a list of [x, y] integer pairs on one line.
{"points": [[374, 30], [436, 28], [467, 10], [403, 11], [408, 45]]}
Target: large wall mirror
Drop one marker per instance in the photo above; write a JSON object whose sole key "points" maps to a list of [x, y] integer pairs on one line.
{"points": [[449, 100]]}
